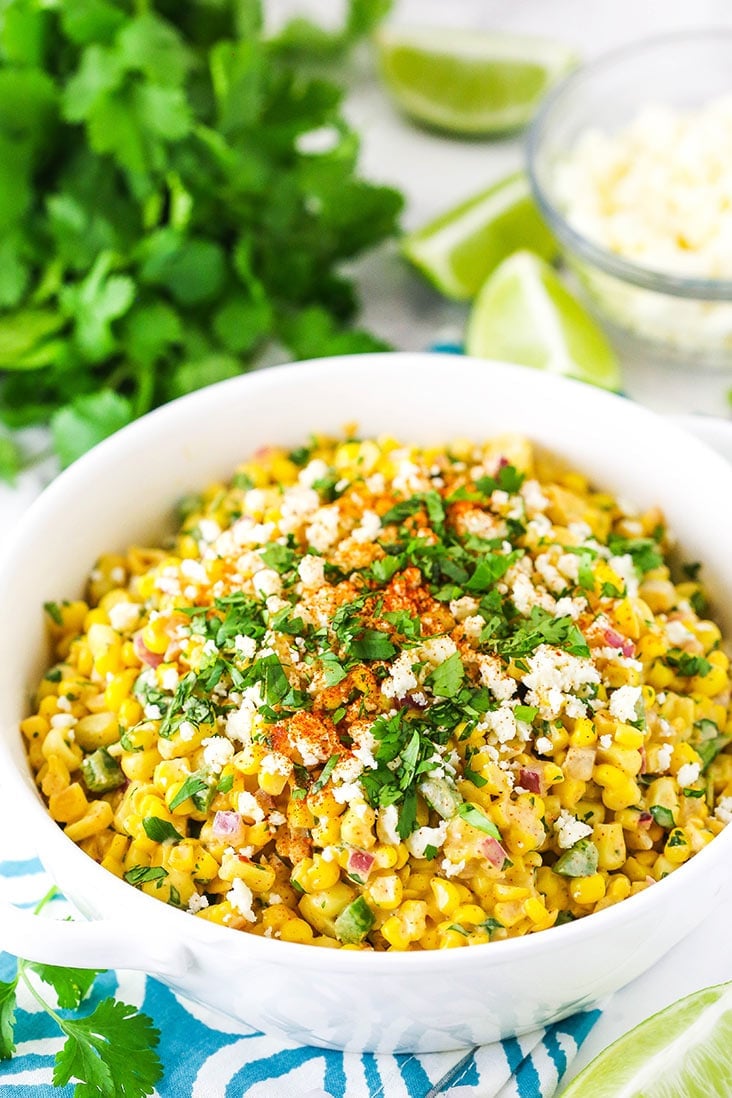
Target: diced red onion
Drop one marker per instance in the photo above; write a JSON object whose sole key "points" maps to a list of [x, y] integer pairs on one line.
{"points": [[493, 851], [617, 640], [226, 824], [359, 864], [530, 779], [645, 819], [152, 659]]}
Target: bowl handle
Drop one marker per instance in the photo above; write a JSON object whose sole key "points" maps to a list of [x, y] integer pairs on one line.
{"points": [[103, 944]]}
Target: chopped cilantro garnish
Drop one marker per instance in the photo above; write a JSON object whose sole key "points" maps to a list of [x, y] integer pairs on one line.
{"points": [[197, 787], [542, 628], [372, 644], [143, 874], [54, 612], [476, 818], [226, 784], [381, 571], [325, 773], [525, 713], [160, 830], [447, 677], [687, 665], [280, 557], [644, 551]]}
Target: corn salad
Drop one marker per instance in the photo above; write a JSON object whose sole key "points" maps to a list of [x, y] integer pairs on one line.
{"points": [[383, 697]]}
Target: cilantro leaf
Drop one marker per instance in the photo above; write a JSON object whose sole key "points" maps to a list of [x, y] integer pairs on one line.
{"points": [[7, 1018], [78, 426], [541, 628], [446, 679], [144, 874], [644, 551], [476, 818], [72, 985], [111, 1053], [687, 665], [161, 830], [372, 644]]}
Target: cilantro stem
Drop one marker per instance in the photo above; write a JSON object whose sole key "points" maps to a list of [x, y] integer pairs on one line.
{"points": [[22, 974]]}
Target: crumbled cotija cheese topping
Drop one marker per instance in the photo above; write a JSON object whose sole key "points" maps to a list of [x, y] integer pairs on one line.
{"points": [[392, 698]]}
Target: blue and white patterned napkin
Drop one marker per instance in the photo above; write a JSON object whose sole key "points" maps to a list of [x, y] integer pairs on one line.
{"points": [[207, 1055]]}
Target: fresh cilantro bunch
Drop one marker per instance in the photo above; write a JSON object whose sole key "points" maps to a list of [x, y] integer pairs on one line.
{"points": [[109, 1053], [177, 193]]}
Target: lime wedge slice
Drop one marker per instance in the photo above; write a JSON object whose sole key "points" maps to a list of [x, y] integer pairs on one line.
{"points": [[684, 1051], [467, 81], [459, 249], [525, 314]]}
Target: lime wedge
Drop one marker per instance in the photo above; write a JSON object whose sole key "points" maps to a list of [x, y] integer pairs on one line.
{"points": [[468, 81], [459, 249], [684, 1051], [525, 314]]}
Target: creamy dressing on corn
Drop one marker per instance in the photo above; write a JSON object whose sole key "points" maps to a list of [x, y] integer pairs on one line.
{"points": [[377, 696]]}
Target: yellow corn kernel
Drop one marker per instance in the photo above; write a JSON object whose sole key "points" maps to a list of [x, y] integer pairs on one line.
{"points": [[260, 878], [618, 888], [677, 848], [536, 910], [59, 742], [385, 856], [119, 689], [507, 893], [650, 647], [56, 777], [621, 796], [583, 734], [130, 712], [322, 909], [326, 832], [660, 676], [322, 874], [610, 842], [272, 782], [629, 737], [451, 938], [97, 817], [358, 830], [249, 759], [682, 754], [446, 894], [141, 766], [34, 727], [69, 805], [171, 772], [394, 933], [587, 890], [276, 915], [471, 914], [299, 815], [155, 636], [385, 891], [510, 912], [571, 791], [296, 930], [97, 730], [628, 618], [552, 775], [713, 683]]}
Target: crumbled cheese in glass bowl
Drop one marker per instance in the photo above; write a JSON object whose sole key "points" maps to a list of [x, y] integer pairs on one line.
{"points": [[629, 164]]}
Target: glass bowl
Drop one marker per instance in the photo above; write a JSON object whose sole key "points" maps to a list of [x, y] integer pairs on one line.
{"points": [[683, 320]]}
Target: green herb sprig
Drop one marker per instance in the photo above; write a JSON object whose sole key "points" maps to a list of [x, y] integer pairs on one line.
{"points": [[164, 216], [109, 1053]]}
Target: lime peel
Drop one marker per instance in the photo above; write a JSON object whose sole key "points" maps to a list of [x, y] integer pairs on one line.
{"points": [[459, 249], [466, 81], [682, 1051], [525, 314]]}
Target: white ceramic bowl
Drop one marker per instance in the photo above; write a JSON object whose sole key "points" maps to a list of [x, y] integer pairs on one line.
{"points": [[124, 491]]}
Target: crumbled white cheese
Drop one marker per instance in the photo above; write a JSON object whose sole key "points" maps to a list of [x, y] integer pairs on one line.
{"points": [[386, 825], [348, 793], [606, 741], [267, 582], [240, 897], [451, 869], [217, 751], [401, 678], [311, 571], [624, 703], [369, 528], [193, 570], [723, 811], [423, 837], [543, 745], [688, 774], [625, 568], [276, 763], [678, 634], [169, 678], [568, 607], [502, 686], [436, 650], [245, 646], [186, 731], [323, 529], [501, 723], [554, 677], [569, 830], [533, 496], [249, 807], [463, 607], [197, 903], [123, 615], [663, 757], [316, 469], [473, 627]]}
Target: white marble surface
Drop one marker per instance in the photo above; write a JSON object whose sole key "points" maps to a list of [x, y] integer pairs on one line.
{"points": [[434, 173]]}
